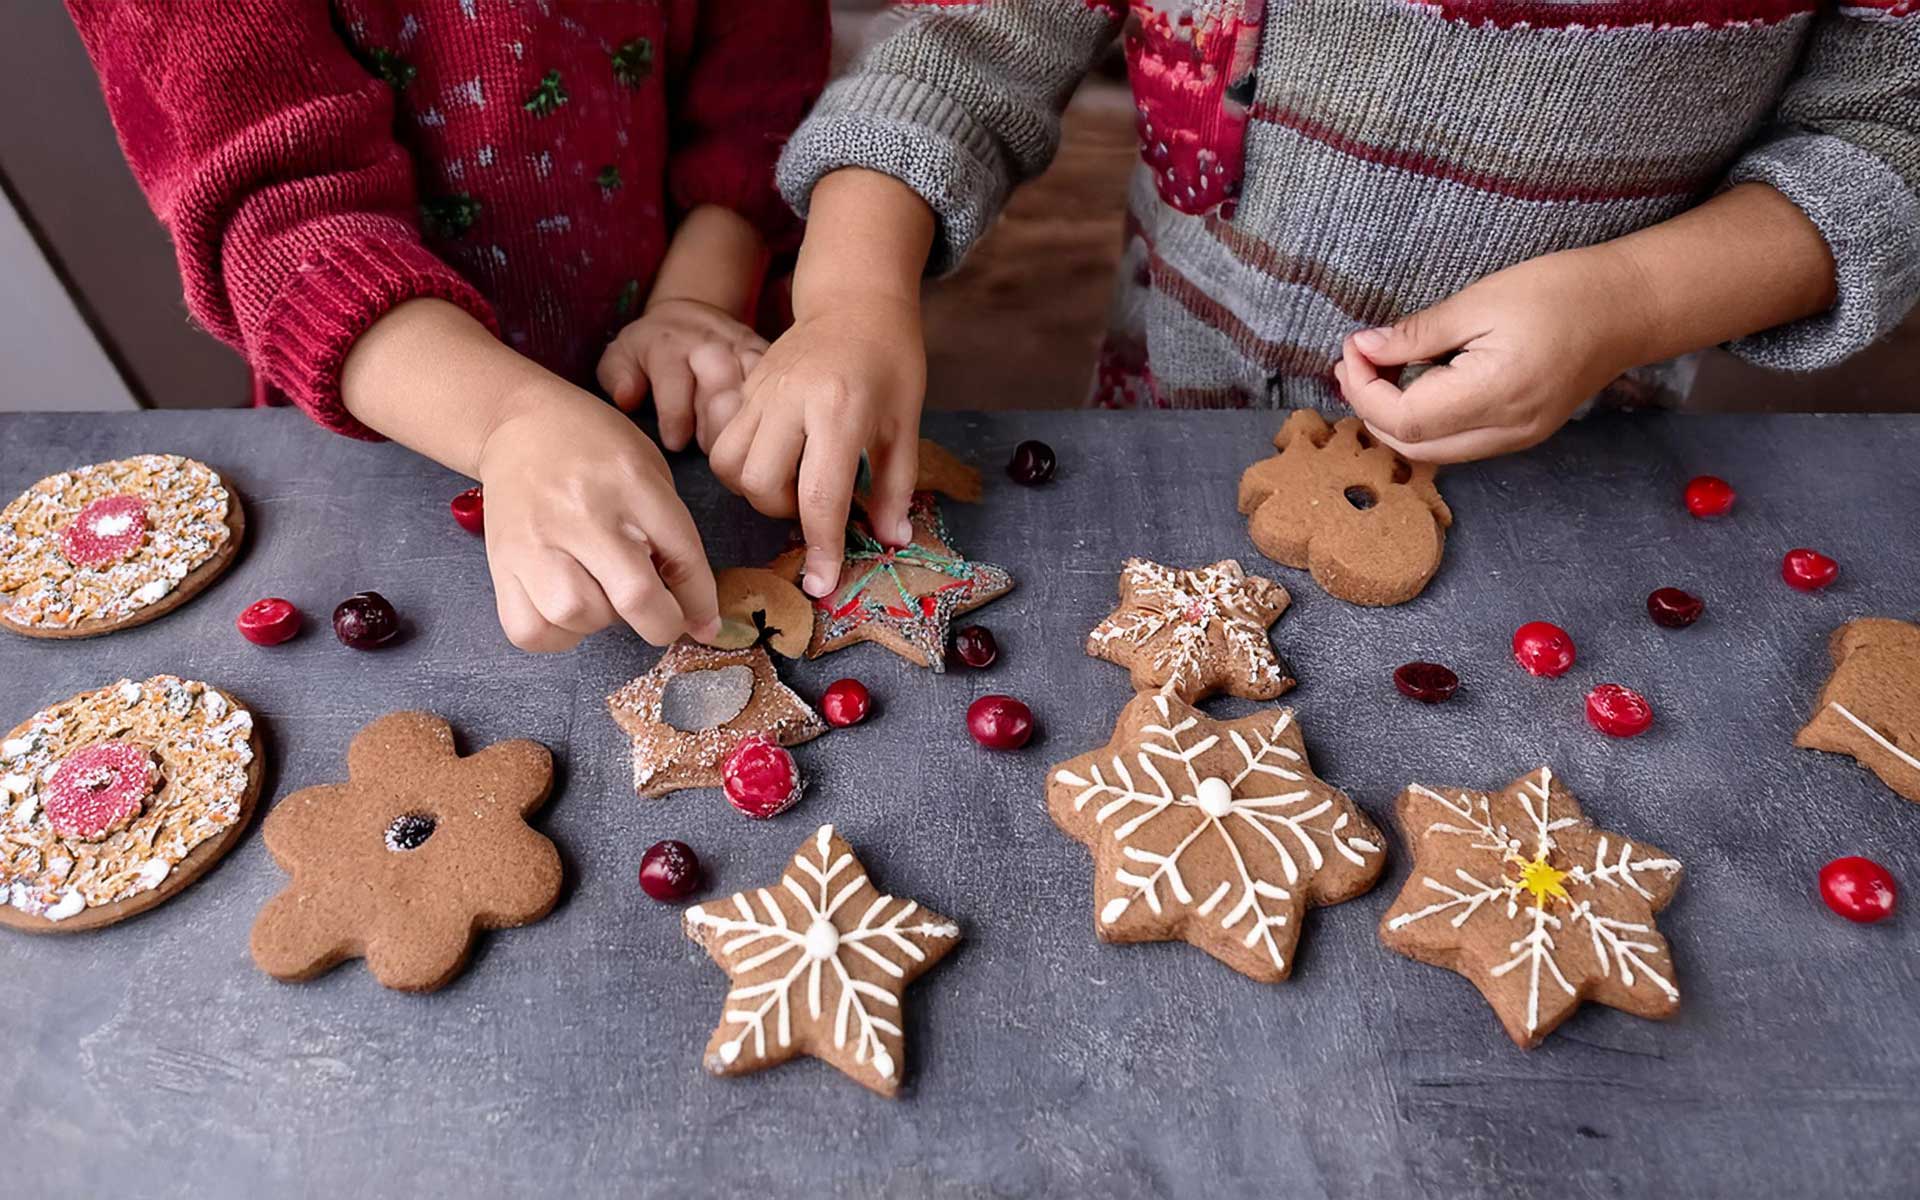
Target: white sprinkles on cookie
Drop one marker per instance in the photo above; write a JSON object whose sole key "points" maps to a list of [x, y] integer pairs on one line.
{"points": [[1181, 609]]}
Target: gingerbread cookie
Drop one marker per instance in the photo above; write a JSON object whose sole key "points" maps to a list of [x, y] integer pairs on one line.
{"points": [[904, 599], [941, 470], [403, 863], [114, 545], [818, 964], [698, 703], [1522, 895], [1870, 707], [1201, 631], [114, 800], [1217, 833], [1367, 523]]}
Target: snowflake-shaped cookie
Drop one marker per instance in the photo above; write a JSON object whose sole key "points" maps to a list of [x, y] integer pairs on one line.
{"points": [[818, 964], [1201, 631], [1522, 895], [1215, 832], [1870, 707]]}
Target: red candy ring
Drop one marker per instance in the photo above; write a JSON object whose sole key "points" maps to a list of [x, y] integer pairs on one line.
{"points": [[105, 531], [99, 790]]}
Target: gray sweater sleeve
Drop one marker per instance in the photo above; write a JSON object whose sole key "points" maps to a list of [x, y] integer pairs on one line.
{"points": [[959, 103], [1846, 150]]}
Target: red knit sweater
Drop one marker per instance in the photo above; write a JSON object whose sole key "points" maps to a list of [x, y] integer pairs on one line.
{"points": [[318, 163]]}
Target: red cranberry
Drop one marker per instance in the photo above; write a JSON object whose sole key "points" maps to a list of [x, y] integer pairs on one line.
{"points": [[1709, 496], [1032, 464], [1429, 683], [1674, 608], [1543, 649], [669, 871], [469, 511], [268, 622], [846, 702], [999, 722], [760, 778], [975, 647], [1808, 570], [365, 620], [1859, 889], [1618, 711]]}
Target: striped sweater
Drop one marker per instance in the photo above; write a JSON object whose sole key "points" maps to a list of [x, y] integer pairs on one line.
{"points": [[1314, 167]]}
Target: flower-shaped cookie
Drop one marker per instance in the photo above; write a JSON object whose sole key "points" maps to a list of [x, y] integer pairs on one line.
{"points": [[404, 862], [1202, 631]]}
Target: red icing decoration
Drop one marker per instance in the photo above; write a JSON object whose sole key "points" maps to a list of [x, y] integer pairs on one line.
{"points": [[1859, 889], [1709, 496], [1808, 570], [670, 871], [1543, 649], [469, 510], [845, 703], [268, 622], [760, 778], [1429, 683], [86, 544], [1618, 711], [99, 790], [1000, 722], [1674, 608]]}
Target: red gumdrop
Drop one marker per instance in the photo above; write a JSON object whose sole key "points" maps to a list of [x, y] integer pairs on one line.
{"points": [[99, 790], [1618, 711], [1674, 608], [1543, 648], [1000, 722], [105, 531], [1859, 889], [1808, 570], [268, 622], [1709, 496], [670, 871], [1429, 683], [760, 778], [845, 702], [470, 511]]}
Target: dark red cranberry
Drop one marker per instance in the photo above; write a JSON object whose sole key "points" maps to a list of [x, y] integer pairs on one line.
{"points": [[1709, 496], [1674, 608], [1000, 722], [1859, 889], [268, 622], [470, 511], [1618, 711], [975, 647], [845, 702], [1429, 683], [1543, 649], [1808, 570], [669, 871], [1032, 464], [761, 778], [365, 620]]}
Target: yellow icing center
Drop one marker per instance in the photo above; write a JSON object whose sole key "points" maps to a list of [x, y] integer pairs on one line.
{"points": [[1542, 880]]}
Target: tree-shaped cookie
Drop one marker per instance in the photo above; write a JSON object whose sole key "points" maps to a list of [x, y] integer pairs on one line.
{"points": [[1201, 631], [1215, 832], [1870, 707], [1369, 525], [408, 859], [1522, 895]]}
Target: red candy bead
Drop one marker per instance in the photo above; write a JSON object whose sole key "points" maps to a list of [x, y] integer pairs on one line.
{"points": [[469, 511], [1000, 722], [1859, 889], [1674, 608], [105, 531], [99, 790], [846, 702], [1709, 496], [268, 622], [669, 871], [1543, 649], [1808, 570], [761, 779], [1618, 711], [1429, 683], [975, 647]]}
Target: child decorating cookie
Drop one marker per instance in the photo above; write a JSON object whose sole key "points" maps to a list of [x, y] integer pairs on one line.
{"points": [[1549, 201], [425, 219]]}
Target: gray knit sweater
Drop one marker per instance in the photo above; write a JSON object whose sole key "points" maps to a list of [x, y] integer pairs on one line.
{"points": [[1314, 167]]}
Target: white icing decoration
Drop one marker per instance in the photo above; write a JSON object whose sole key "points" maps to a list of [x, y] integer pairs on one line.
{"points": [[154, 872], [1875, 734], [112, 525], [130, 693], [150, 592], [1185, 606], [71, 902], [18, 747]]}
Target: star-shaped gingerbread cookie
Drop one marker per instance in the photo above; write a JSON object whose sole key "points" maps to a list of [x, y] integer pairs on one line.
{"points": [[1870, 707], [818, 963], [1522, 895], [696, 704], [1201, 631], [1213, 832]]}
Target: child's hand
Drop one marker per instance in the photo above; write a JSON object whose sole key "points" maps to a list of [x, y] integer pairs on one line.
{"points": [[850, 376], [1519, 351], [694, 357], [584, 529]]}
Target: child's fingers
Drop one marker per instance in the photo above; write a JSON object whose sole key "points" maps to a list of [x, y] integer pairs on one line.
{"points": [[730, 446], [896, 466], [717, 379], [625, 572], [622, 377], [1426, 334], [827, 474], [712, 414], [673, 391], [679, 558], [1471, 446], [522, 622], [567, 595], [767, 476]]}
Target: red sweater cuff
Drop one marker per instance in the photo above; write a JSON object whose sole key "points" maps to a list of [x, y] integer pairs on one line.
{"points": [[338, 292]]}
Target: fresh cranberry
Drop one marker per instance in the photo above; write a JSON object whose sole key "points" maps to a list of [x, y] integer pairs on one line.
{"points": [[1000, 722], [1618, 711], [1032, 464], [469, 511], [669, 871], [760, 778], [1429, 683], [975, 647], [1859, 889], [846, 702], [1709, 496], [1674, 608], [268, 622], [365, 620], [1808, 570], [1543, 649]]}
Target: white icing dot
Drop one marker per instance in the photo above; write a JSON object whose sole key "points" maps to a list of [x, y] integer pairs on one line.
{"points": [[1216, 797], [113, 525], [729, 1051], [154, 872], [130, 694], [70, 905], [153, 591], [823, 939], [883, 1063], [16, 748]]}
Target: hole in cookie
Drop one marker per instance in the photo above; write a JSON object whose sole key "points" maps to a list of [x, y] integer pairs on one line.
{"points": [[410, 831], [1402, 470], [1361, 497], [1364, 438]]}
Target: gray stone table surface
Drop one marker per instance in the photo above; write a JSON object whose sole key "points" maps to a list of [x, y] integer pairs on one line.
{"points": [[153, 1059]]}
